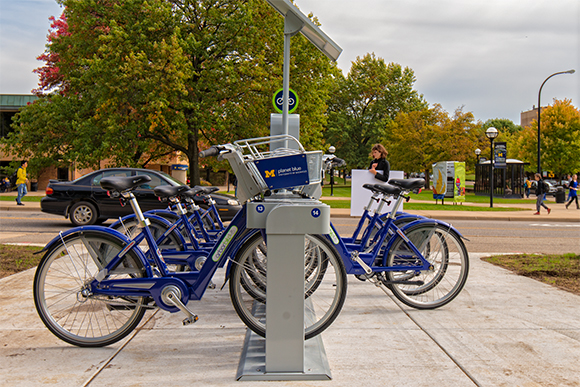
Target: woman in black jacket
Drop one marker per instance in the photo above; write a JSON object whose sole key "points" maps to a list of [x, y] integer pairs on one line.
{"points": [[379, 166]]}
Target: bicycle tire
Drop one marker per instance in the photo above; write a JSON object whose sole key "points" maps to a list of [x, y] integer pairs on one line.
{"points": [[325, 284], [445, 250], [86, 320]]}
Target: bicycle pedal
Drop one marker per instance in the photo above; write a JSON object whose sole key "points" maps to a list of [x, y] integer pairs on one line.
{"points": [[190, 320]]}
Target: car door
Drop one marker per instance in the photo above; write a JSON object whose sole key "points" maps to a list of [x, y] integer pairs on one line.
{"points": [[109, 207]]}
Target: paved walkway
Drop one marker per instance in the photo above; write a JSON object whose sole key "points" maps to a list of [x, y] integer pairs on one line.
{"points": [[502, 330]]}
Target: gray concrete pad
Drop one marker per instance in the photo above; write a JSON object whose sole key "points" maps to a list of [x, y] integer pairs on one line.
{"points": [[502, 330]]}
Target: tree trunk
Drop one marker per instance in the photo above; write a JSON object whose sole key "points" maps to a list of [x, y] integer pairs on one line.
{"points": [[427, 180], [193, 157]]}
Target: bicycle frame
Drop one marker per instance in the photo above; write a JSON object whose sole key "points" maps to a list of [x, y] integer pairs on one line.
{"points": [[358, 260], [192, 284]]}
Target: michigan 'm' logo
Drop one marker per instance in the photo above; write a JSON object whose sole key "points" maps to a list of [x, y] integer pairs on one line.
{"points": [[270, 174]]}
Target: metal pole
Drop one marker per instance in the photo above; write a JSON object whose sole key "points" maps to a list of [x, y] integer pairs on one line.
{"points": [[331, 181], [286, 82], [292, 25], [491, 174], [540, 110]]}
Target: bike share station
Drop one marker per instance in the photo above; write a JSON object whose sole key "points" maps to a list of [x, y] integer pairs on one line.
{"points": [[286, 218]]}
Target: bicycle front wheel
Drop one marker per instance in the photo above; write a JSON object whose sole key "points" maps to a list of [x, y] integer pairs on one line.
{"points": [[443, 281], [324, 284], [62, 294]]}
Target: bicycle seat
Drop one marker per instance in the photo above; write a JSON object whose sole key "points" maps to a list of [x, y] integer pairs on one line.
{"points": [[190, 193], [123, 183], [408, 184], [167, 191], [207, 190], [370, 187], [387, 189]]}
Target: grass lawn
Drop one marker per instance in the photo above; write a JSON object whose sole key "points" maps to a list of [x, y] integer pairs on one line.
{"points": [[562, 271], [339, 203], [27, 198]]}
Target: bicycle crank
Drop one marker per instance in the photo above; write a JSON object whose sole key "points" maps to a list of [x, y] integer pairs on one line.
{"points": [[171, 295]]}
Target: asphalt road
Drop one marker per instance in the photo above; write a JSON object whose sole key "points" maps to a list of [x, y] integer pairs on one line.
{"points": [[482, 236]]}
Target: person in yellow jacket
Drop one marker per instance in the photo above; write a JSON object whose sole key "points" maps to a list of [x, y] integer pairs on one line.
{"points": [[21, 180]]}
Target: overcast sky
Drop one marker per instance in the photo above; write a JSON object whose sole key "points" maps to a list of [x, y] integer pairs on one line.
{"points": [[489, 56]]}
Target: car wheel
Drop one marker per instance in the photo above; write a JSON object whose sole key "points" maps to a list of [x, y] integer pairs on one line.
{"points": [[83, 214]]}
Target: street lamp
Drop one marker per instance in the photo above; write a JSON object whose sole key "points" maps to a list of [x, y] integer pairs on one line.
{"points": [[491, 133], [331, 150], [477, 153], [540, 109]]}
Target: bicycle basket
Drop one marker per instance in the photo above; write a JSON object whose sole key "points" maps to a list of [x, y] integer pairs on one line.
{"points": [[282, 167]]}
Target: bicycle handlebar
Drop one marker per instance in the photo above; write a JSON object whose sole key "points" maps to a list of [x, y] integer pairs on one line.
{"points": [[211, 151]]}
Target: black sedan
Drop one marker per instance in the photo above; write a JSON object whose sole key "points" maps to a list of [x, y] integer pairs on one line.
{"points": [[85, 202]]}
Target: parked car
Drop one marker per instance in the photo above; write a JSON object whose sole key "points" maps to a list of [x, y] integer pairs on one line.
{"points": [[84, 202]]}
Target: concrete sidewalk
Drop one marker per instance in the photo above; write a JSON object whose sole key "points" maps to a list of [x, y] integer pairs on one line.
{"points": [[502, 330]]}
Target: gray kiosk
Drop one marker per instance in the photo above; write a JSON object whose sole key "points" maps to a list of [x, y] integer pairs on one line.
{"points": [[287, 213]]}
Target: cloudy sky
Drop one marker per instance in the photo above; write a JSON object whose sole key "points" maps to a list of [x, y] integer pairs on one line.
{"points": [[489, 56]]}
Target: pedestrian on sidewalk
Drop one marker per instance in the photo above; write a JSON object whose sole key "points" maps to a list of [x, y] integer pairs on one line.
{"points": [[573, 186], [540, 191], [380, 167], [21, 180], [528, 186]]}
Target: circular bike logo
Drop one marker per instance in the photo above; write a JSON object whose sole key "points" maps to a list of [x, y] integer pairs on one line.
{"points": [[315, 212], [260, 208], [278, 100]]}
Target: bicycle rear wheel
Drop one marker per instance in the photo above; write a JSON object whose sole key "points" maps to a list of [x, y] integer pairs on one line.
{"points": [[324, 284], [433, 288], [62, 295]]}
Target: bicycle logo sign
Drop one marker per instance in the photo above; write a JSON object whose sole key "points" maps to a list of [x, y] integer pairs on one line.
{"points": [[278, 100]]}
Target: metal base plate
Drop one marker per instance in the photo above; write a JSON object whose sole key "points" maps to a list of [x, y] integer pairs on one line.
{"points": [[252, 364]]}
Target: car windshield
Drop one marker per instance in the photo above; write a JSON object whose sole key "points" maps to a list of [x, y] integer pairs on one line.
{"points": [[156, 180]]}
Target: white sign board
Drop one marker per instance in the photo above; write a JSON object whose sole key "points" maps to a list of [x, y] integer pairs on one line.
{"points": [[359, 196]]}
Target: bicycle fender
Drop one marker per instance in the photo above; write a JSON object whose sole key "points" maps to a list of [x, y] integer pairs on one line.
{"points": [[237, 246], [433, 221], [132, 216], [165, 222]]}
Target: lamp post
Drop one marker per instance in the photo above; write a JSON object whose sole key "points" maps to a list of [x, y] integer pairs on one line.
{"points": [[331, 150], [478, 177], [540, 109], [491, 133]]}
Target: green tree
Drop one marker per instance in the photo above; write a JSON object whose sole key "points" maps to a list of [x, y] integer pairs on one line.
{"points": [[503, 125], [140, 79], [364, 102], [418, 139], [560, 139]]}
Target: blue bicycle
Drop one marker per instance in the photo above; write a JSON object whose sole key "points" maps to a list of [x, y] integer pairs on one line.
{"points": [[94, 284]]}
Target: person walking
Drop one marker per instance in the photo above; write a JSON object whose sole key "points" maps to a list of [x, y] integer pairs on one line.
{"points": [[21, 180], [380, 163], [573, 186], [528, 186], [540, 191]]}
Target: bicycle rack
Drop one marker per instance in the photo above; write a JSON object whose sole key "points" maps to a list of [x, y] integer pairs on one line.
{"points": [[284, 354]]}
